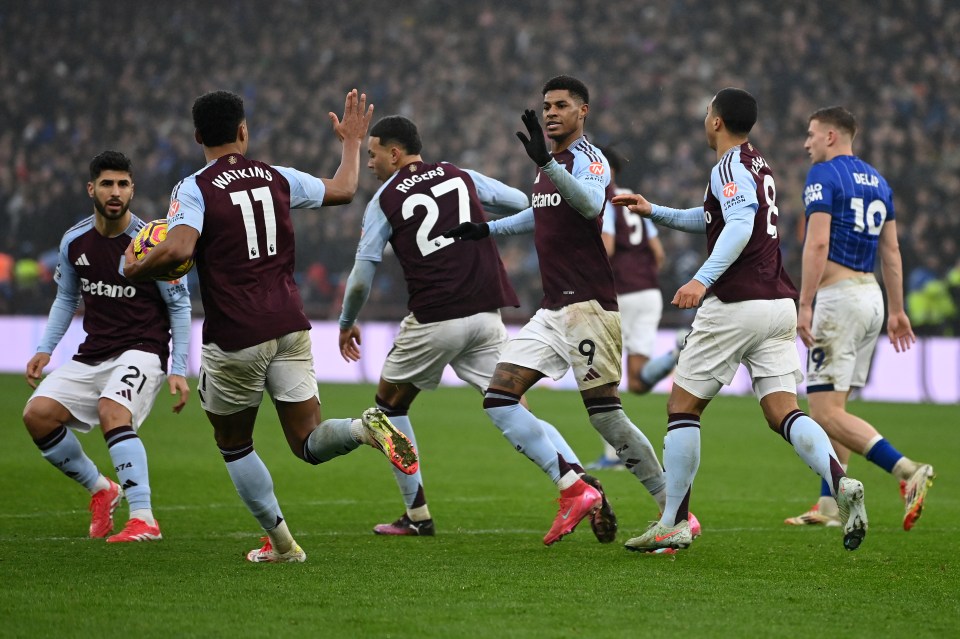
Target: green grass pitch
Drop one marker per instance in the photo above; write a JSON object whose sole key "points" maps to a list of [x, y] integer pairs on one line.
{"points": [[487, 573]]}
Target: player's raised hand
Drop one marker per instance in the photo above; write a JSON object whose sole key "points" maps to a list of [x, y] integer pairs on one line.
{"points": [[350, 343], [635, 202], [178, 386], [900, 332], [535, 145], [469, 231], [356, 117], [689, 295], [35, 368]]}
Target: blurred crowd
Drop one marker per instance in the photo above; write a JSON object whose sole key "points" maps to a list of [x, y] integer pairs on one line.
{"points": [[78, 78]]}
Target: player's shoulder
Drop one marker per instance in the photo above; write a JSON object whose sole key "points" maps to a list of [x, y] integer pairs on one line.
{"points": [[589, 160], [583, 149], [723, 171], [78, 229], [188, 183], [827, 172]]}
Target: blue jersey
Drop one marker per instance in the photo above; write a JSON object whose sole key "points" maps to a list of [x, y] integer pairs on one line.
{"points": [[858, 200]]}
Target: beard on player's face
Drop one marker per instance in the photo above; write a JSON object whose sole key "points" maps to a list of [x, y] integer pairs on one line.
{"points": [[115, 213]]}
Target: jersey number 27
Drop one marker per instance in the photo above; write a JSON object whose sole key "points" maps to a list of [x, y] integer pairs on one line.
{"points": [[424, 242]]}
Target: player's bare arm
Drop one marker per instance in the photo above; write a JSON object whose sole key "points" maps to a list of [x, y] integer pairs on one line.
{"points": [[351, 131], [899, 329], [815, 248], [635, 202], [35, 368], [179, 387], [177, 248]]}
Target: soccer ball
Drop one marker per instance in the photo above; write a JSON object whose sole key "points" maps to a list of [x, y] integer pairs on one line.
{"points": [[151, 235]]}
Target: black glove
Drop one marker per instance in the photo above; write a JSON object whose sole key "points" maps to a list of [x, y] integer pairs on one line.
{"points": [[469, 231], [535, 145]]}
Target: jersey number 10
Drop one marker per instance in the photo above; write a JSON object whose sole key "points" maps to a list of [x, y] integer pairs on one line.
{"points": [[875, 215]]}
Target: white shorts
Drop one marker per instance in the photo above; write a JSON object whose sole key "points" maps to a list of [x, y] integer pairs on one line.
{"points": [[761, 334], [847, 320], [582, 335], [470, 345], [231, 381], [132, 379], [640, 314]]}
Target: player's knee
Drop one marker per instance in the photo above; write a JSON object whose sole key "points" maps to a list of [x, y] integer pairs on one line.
{"points": [[231, 441], [773, 424], [39, 422]]}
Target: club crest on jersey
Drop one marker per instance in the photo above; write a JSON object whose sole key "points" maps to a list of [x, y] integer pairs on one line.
{"points": [[729, 189], [596, 168], [232, 159]]}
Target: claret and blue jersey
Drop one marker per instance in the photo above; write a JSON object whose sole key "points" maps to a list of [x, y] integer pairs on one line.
{"points": [[858, 200]]}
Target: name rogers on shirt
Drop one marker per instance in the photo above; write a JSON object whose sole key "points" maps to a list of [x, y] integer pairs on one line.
{"points": [[406, 184], [107, 290]]}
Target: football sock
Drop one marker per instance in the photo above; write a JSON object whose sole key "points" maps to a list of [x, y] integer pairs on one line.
{"points": [[681, 458], [332, 438], [825, 492], [523, 430], [658, 368], [609, 452], [410, 485], [632, 446], [567, 480], [280, 537], [417, 510], [255, 486], [560, 444], [130, 460], [879, 451], [812, 445], [62, 449], [904, 468]]}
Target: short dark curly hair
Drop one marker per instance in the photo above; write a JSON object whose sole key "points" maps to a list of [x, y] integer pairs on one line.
{"points": [[568, 83], [398, 130], [737, 108], [217, 116]]}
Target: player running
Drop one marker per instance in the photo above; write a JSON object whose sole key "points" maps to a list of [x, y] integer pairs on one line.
{"points": [[455, 291], [578, 324], [850, 219], [747, 316]]}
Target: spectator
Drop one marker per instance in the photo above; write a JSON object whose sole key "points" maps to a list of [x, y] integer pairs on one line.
{"points": [[900, 68]]}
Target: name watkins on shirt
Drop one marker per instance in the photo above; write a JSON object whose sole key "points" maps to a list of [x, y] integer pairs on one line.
{"points": [[228, 176]]}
